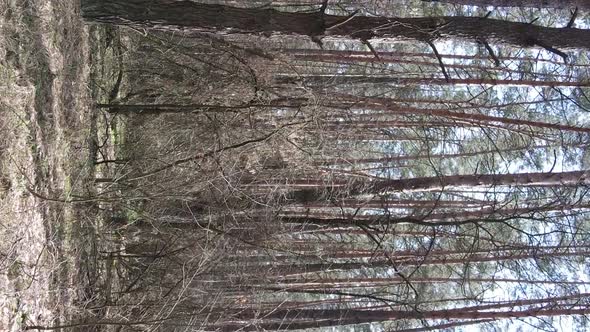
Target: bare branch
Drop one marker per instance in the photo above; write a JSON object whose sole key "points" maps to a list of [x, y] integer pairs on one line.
{"points": [[366, 42], [491, 52], [323, 7], [342, 22], [440, 61], [570, 24], [551, 49]]}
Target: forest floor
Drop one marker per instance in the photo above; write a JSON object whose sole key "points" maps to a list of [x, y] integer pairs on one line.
{"points": [[47, 150]]}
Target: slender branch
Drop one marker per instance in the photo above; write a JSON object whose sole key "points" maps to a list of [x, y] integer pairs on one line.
{"points": [[554, 161], [491, 52], [550, 49], [379, 244], [440, 61], [573, 18], [343, 21], [366, 42], [323, 7]]}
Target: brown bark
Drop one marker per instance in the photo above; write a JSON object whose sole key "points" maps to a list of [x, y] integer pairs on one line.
{"points": [[523, 179], [290, 270], [311, 185], [218, 18], [447, 326], [469, 118], [315, 318], [395, 160], [341, 79], [484, 215], [557, 4], [411, 255], [434, 65], [385, 55], [319, 283]]}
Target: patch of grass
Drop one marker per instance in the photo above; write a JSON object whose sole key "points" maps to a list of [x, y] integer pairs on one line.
{"points": [[132, 215]]}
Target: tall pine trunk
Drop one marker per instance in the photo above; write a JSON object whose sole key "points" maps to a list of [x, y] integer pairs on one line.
{"points": [[558, 4], [311, 187], [224, 19], [316, 318]]}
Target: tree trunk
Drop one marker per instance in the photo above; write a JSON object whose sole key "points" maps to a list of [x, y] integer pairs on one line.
{"points": [[368, 282], [397, 160], [318, 54], [315, 318], [313, 187], [344, 79], [523, 179], [225, 19], [558, 4]]}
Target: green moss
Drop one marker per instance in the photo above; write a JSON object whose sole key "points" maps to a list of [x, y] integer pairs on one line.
{"points": [[132, 215]]}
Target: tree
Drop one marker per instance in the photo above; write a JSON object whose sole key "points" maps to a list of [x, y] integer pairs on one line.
{"points": [[219, 18], [559, 4]]}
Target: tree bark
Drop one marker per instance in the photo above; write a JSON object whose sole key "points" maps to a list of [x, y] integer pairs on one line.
{"points": [[312, 186], [557, 4], [367, 282], [315, 318], [317, 54], [523, 179], [343, 79], [189, 15]]}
